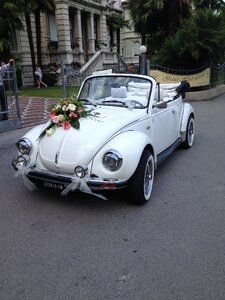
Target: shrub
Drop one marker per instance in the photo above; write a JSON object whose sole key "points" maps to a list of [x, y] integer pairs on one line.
{"points": [[19, 78], [50, 78]]}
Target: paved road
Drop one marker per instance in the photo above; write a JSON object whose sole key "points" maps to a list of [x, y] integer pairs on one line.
{"points": [[82, 248]]}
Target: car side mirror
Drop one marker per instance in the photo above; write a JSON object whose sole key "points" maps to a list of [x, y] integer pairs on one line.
{"points": [[161, 104]]}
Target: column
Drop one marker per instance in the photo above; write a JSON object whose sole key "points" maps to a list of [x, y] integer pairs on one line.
{"points": [[91, 38], [100, 42], [63, 28], [78, 32], [104, 36]]}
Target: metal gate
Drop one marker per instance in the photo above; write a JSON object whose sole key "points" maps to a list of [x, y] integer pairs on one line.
{"points": [[10, 118], [69, 77]]}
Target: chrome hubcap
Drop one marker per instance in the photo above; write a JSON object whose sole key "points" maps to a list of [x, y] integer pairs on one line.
{"points": [[149, 173], [190, 132]]}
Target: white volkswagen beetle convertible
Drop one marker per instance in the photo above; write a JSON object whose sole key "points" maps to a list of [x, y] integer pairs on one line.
{"points": [[112, 136]]}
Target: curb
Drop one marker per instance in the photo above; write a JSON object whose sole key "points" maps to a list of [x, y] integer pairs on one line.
{"points": [[206, 94]]}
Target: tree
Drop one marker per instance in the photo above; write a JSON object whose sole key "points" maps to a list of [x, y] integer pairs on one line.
{"points": [[116, 22], [156, 20], [26, 8], [209, 4], [10, 14], [9, 22], [177, 12], [30, 39], [200, 40], [41, 5], [141, 12], [29, 7]]}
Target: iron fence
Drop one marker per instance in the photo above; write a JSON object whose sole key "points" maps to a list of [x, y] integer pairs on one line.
{"points": [[10, 118], [217, 73]]}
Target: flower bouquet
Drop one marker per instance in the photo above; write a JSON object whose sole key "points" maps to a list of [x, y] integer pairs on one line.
{"points": [[65, 113]]}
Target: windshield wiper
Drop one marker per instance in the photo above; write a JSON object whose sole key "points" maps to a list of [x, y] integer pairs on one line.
{"points": [[114, 101], [88, 101]]}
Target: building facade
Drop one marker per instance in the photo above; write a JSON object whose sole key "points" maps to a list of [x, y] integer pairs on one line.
{"points": [[130, 40], [74, 32]]}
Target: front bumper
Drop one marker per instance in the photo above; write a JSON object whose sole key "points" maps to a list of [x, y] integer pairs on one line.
{"points": [[59, 181]]}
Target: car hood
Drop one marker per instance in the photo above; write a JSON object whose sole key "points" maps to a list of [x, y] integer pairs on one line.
{"points": [[65, 149]]}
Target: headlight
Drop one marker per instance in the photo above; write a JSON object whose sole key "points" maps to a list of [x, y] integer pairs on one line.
{"points": [[21, 160], [81, 171], [112, 160], [24, 146]]}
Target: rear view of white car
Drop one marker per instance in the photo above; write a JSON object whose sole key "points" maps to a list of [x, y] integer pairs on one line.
{"points": [[112, 136]]}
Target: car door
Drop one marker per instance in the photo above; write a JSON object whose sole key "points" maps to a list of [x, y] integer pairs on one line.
{"points": [[177, 110], [164, 127]]}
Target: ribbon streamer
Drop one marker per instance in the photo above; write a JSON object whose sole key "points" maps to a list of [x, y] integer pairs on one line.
{"points": [[81, 184], [77, 183], [23, 171]]}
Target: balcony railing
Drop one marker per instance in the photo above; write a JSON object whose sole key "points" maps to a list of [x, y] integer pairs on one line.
{"points": [[96, 1]]}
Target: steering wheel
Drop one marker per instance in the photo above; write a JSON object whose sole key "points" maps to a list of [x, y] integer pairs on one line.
{"points": [[135, 102]]}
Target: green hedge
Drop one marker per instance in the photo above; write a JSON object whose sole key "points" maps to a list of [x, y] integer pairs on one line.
{"points": [[49, 78], [19, 78]]}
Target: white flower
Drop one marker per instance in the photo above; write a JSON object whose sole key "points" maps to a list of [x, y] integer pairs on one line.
{"points": [[60, 117], [57, 106], [71, 107], [50, 131], [65, 108]]}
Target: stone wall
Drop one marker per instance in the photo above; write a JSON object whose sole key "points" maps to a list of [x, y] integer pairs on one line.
{"points": [[205, 95]]}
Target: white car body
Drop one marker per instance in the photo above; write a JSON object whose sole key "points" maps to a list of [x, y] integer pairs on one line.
{"points": [[125, 127]]}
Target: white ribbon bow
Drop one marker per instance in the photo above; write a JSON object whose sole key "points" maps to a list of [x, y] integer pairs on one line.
{"points": [[77, 183], [81, 184], [23, 171]]}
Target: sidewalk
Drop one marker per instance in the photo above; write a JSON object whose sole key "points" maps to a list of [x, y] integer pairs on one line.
{"points": [[33, 110]]}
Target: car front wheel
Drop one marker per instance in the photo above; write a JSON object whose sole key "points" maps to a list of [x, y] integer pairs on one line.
{"points": [[190, 134], [141, 183]]}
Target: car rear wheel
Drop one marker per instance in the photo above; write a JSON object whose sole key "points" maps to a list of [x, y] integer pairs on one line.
{"points": [[141, 183], [190, 134]]}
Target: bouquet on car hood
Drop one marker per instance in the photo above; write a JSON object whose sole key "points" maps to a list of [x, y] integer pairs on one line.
{"points": [[65, 113]]}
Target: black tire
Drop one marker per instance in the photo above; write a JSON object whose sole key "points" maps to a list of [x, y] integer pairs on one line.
{"points": [[140, 184], [190, 134]]}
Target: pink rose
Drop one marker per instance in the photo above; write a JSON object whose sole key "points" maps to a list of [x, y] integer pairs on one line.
{"points": [[66, 125], [52, 114], [55, 119], [80, 110], [72, 114]]}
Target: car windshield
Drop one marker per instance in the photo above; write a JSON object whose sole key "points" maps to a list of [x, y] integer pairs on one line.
{"points": [[124, 91]]}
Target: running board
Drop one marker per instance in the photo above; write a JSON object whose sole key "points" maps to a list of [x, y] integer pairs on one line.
{"points": [[163, 155]]}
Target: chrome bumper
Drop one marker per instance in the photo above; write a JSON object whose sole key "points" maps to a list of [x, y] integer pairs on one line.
{"points": [[59, 181]]}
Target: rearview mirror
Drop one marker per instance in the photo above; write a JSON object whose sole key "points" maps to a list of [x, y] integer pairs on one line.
{"points": [[161, 104]]}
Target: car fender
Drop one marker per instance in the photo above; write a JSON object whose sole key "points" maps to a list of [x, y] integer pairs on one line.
{"points": [[130, 145], [187, 111], [33, 135]]}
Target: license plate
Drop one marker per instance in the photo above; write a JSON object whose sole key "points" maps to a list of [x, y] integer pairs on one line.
{"points": [[52, 185]]}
